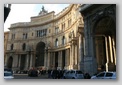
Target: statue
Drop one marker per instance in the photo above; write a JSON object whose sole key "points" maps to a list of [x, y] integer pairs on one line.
{"points": [[43, 8]]}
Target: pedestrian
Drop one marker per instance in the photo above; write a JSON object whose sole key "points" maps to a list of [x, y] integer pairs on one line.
{"points": [[87, 76]]}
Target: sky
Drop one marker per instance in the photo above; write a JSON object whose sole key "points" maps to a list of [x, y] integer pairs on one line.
{"points": [[23, 12]]}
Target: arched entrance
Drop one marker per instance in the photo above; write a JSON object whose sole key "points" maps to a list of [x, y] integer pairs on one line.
{"points": [[10, 62], [105, 43], [40, 53]]}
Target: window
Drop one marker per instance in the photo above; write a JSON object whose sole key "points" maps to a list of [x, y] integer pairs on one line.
{"points": [[69, 22], [13, 36], [49, 30], [12, 46], [109, 74], [63, 40], [23, 46], [63, 26], [56, 30], [101, 75], [56, 42], [24, 35]]}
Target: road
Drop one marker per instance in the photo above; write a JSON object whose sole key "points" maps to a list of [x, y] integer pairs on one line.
{"points": [[25, 76]]}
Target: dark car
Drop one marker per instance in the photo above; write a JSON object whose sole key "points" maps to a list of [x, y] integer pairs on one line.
{"points": [[33, 73]]}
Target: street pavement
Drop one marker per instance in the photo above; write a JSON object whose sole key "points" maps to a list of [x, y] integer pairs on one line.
{"points": [[25, 76]]}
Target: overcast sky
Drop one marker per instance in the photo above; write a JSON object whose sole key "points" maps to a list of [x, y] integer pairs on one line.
{"points": [[23, 12]]}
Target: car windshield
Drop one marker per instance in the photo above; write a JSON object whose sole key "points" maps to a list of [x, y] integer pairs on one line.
{"points": [[8, 74], [79, 72]]}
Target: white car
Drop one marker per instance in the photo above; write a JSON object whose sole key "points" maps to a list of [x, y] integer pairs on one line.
{"points": [[8, 75], [105, 75], [73, 74]]}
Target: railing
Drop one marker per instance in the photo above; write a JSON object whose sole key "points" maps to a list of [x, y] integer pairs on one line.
{"points": [[61, 45]]}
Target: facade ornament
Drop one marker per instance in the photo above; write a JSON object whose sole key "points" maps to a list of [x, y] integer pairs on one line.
{"points": [[101, 13], [43, 12]]}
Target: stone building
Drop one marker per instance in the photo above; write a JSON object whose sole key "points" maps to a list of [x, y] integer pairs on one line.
{"points": [[66, 40], [6, 34], [48, 40], [100, 37]]}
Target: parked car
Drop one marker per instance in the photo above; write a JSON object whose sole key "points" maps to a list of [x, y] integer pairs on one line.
{"points": [[105, 75], [33, 72], [73, 74], [8, 75]]}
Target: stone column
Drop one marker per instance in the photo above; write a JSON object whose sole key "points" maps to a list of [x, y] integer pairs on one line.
{"points": [[80, 59], [67, 58], [111, 65], [114, 50], [45, 59], [19, 61], [76, 55], [60, 60], [6, 60], [53, 60], [106, 43], [27, 62], [31, 60], [73, 54], [111, 50], [90, 64], [71, 58], [48, 60]]}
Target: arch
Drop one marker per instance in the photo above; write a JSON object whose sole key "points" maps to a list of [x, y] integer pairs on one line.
{"points": [[104, 20], [40, 53], [10, 62], [104, 32]]}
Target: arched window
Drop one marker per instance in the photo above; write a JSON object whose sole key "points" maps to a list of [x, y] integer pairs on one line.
{"points": [[56, 42], [12, 46], [23, 46], [63, 40]]}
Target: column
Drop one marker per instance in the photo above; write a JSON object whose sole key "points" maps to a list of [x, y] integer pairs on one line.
{"points": [[67, 59], [81, 52], [53, 56], [59, 59], [76, 55], [45, 59], [6, 59], [111, 51], [114, 50], [71, 59], [106, 43], [27, 61], [68, 56], [48, 60], [73, 54], [19, 60], [31, 61]]}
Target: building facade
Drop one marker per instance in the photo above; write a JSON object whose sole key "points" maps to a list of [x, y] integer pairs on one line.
{"points": [[66, 40], [6, 34], [100, 37], [48, 40]]}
